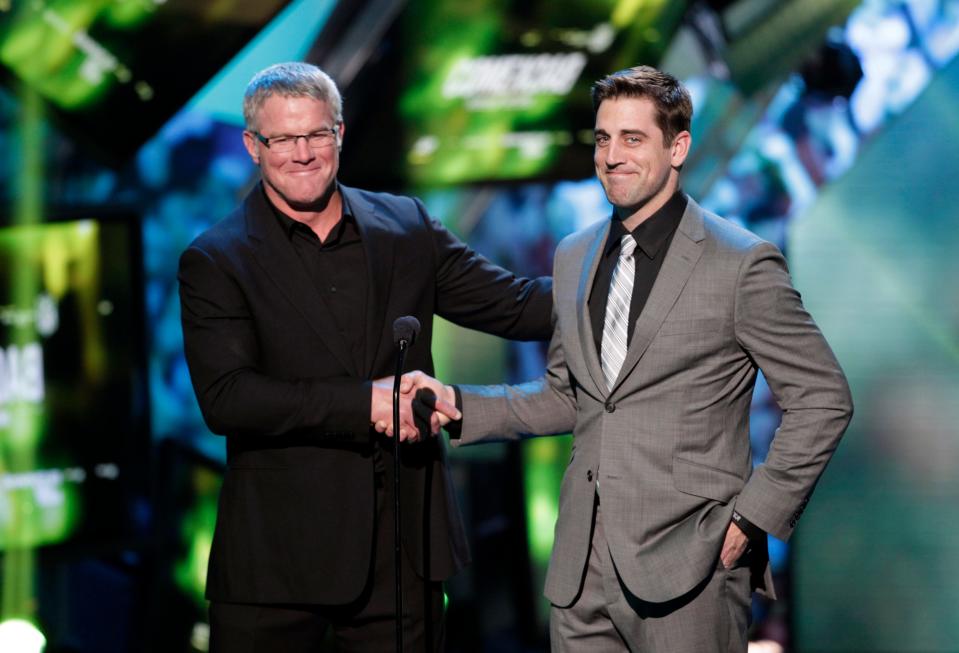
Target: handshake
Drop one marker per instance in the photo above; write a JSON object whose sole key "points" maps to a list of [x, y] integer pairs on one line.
{"points": [[424, 402]]}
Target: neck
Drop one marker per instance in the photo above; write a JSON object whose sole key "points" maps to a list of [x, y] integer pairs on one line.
{"points": [[320, 216], [634, 216]]}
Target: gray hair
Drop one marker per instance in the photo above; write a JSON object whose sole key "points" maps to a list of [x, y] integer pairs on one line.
{"points": [[292, 79]]}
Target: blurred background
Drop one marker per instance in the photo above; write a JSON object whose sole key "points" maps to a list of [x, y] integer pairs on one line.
{"points": [[826, 126]]}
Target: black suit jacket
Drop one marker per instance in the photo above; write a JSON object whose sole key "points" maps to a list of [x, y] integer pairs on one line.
{"points": [[273, 374]]}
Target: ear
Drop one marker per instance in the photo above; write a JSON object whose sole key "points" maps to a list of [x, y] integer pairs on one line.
{"points": [[679, 148], [339, 136], [250, 143]]}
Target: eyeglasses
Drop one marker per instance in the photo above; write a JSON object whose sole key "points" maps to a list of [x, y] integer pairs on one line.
{"points": [[317, 140]]}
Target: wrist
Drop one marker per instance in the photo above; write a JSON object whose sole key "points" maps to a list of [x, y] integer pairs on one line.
{"points": [[748, 528]]}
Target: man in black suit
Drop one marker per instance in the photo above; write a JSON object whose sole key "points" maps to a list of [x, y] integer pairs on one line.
{"points": [[287, 308]]}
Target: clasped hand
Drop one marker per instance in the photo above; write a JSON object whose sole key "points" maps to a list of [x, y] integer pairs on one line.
{"points": [[423, 400]]}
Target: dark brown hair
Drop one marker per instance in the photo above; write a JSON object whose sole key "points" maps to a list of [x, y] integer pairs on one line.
{"points": [[674, 107]]}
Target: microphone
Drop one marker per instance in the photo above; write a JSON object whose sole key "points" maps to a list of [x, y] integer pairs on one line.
{"points": [[405, 330]]}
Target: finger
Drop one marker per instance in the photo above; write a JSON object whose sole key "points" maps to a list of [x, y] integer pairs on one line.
{"points": [[430, 398], [447, 409], [732, 553], [408, 381], [727, 558], [730, 559], [407, 423], [725, 555]]}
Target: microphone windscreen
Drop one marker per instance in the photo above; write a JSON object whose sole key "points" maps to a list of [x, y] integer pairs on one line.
{"points": [[405, 328]]}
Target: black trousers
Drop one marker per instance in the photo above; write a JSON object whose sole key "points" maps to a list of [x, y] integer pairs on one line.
{"points": [[367, 625]]}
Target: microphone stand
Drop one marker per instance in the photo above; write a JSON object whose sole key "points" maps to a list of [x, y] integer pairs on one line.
{"points": [[397, 545]]}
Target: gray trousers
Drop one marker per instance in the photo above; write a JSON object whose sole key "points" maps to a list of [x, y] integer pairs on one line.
{"points": [[607, 617]]}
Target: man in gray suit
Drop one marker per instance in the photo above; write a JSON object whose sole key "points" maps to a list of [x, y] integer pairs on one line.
{"points": [[663, 316]]}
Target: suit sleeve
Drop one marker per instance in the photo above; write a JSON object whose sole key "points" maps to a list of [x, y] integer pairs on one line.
{"points": [[546, 406], [235, 396], [780, 336], [473, 292]]}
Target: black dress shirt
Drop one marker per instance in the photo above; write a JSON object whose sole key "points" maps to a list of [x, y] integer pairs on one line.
{"points": [[652, 238], [337, 267]]}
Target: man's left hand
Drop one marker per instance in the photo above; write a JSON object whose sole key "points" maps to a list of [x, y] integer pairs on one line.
{"points": [[733, 547]]}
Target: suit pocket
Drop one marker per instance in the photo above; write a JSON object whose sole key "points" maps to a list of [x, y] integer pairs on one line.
{"points": [[704, 481], [685, 327]]}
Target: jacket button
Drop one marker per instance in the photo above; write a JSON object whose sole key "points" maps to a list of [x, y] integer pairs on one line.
{"points": [[610, 407], [589, 475]]}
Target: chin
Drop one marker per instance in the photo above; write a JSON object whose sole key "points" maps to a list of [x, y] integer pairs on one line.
{"points": [[305, 196], [624, 201], [304, 203]]}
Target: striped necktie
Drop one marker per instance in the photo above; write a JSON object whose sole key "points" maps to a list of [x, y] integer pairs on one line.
{"points": [[616, 324]]}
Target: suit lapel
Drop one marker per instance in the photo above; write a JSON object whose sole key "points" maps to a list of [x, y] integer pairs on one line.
{"points": [[378, 237], [681, 258], [587, 345], [275, 254]]}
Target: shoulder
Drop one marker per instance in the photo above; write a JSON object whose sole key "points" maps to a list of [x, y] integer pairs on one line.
{"points": [[579, 241], [386, 205], [224, 234], [229, 239], [727, 237]]}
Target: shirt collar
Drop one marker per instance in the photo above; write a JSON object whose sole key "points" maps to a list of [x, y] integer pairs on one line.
{"points": [[653, 232], [290, 226]]}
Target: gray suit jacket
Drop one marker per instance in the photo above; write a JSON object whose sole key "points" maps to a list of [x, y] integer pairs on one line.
{"points": [[669, 444]]}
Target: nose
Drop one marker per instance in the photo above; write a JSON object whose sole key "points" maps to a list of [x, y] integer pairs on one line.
{"points": [[612, 154], [302, 152]]}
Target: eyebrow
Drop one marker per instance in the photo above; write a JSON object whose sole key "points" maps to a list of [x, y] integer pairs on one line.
{"points": [[309, 133], [622, 132]]}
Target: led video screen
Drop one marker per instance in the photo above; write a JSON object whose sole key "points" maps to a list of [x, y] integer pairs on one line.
{"points": [[71, 395], [491, 90]]}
